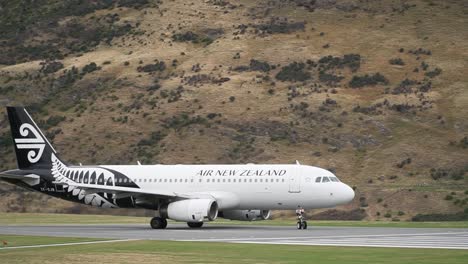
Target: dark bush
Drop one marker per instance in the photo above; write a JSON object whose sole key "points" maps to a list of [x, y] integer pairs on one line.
{"points": [[132, 3], [5, 140], [333, 214], [433, 73], [190, 36], [453, 173], [462, 216], [52, 121], [158, 66], [274, 27], [293, 72], [154, 139], [256, 65], [352, 61], [90, 68], [183, 120], [51, 67], [367, 80], [397, 61], [463, 142], [330, 79]]}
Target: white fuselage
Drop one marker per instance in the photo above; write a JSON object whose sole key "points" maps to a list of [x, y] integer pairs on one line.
{"points": [[247, 186]]}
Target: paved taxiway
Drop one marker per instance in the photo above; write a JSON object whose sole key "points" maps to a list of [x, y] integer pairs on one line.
{"points": [[456, 238]]}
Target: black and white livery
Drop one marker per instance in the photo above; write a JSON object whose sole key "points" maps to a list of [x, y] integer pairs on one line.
{"points": [[188, 193]]}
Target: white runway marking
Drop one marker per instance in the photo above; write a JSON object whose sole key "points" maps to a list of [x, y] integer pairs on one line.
{"points": [[70, 244], [447, 240]]}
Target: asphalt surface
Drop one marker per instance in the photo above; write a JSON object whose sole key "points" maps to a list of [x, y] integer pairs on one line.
{"points": [[454, 238]]}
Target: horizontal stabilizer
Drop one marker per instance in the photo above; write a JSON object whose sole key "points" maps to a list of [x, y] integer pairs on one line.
{"points": [[30, 179]]}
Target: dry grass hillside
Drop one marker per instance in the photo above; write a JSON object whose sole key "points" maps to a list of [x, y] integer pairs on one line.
{"points": [[376, 91]]}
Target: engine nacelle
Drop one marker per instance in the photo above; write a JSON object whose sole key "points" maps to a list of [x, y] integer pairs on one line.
{"points": [[246, 215], [191, 210]]}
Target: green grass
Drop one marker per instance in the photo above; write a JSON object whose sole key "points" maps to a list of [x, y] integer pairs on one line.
{"points": [[14, 241], [144, 251], [50, 219]]}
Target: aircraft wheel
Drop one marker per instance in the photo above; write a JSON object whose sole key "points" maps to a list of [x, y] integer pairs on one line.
{"points": [[304, 225], [158, 223], [164, 223], [299, 225], [195, 224]]}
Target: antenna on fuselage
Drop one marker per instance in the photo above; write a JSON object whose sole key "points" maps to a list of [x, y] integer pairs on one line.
{"points": [[138, 162], [297, 162]]}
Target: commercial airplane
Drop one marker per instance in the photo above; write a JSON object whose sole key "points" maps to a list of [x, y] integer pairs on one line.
{"points": [[187, 193]]}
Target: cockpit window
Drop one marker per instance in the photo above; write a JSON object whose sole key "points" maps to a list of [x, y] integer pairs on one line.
{"points": [[325, 179], [318, 179], [334, 179]]}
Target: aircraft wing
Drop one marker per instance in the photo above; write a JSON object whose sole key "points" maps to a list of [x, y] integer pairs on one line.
{"points": [[119, 191]]}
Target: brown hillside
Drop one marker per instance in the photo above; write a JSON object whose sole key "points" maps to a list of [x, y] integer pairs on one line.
{"points": [[374, 91]]}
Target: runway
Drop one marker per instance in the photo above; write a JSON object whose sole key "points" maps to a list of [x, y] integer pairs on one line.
{"points": [[447, 238]]}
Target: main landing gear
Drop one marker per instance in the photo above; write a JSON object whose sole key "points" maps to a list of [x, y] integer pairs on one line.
{"points": [[195, 224], [161, 223], [158, 223]]}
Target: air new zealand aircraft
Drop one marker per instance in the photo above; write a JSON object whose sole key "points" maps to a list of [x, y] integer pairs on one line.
{"points": [[187, 193]]}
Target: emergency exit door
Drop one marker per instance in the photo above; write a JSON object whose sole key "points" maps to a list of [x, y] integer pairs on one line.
{"points": [[295, 180]]}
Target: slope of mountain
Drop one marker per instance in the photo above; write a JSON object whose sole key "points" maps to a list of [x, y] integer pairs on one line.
{"points": [[376, 91]]}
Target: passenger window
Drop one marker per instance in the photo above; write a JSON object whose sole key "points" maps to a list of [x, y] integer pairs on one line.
{"points": [[325, 179], [318, 179]]}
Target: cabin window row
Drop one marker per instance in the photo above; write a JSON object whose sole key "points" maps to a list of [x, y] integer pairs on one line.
{"points": [[207, 180]]}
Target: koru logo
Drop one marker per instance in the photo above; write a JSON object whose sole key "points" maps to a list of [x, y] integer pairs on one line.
{"points": [[36, 144]]}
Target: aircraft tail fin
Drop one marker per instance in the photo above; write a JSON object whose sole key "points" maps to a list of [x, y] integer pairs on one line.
{"points": [[33, 150]]}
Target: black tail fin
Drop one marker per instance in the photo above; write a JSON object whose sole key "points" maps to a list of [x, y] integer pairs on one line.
{"points": [[33, 150]]}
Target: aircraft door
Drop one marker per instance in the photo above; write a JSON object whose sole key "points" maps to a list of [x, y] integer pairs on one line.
{"points": [[295, 180]]}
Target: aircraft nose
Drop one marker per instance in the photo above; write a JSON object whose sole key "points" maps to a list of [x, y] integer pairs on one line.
{"points": [[347, 194]]}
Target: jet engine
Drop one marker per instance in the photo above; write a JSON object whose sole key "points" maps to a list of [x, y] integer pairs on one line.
{"points": [[191, 210], [246, 215]]}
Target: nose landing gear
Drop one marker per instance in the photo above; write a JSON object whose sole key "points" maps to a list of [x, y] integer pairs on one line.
{"points": [[301, 223]]}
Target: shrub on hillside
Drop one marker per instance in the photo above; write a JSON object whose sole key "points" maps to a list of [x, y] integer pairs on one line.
{"points": [[397, 61], [190, 36], [462, 216], [352, 61], [51, 67], [367, 80], [294, 72], [158, 66]]}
